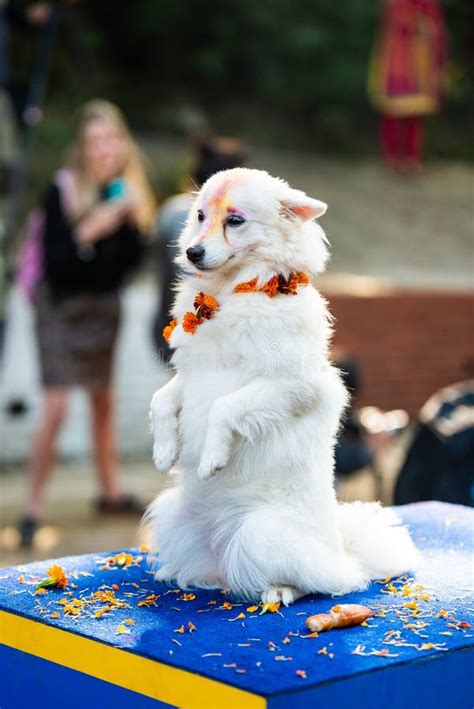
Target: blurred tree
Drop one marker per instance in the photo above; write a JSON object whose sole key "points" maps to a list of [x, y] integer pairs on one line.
{"points": [[284, 72]]}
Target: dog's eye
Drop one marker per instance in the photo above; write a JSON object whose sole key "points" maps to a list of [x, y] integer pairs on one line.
{"points": [[234, 220], [201, 216]]}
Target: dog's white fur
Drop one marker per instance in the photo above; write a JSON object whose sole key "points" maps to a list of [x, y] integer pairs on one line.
{"points": [[251, 416]]}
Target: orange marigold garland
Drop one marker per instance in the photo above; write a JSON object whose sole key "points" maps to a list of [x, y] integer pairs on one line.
{"points": [[168, 330], [205, 306], [271, 287], [248, 287], [276, 284], [190, 322]]}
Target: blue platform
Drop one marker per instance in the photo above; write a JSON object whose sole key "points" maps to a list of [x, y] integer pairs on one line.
{"points": [[162, 646]]}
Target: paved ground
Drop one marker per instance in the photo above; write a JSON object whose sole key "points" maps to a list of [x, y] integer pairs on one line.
{"points": [[72, 525]]}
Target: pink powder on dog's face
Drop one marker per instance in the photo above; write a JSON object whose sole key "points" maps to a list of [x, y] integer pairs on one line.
{"points": [[237, 212], [218, 207]]}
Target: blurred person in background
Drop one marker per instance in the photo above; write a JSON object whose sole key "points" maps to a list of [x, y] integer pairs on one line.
{"points": [[92, 225], [353, 450], [211, 154], [406, 77], [439, 464]]}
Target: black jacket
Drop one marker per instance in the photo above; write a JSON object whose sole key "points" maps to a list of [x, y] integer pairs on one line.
{"points": [[70, 270]]}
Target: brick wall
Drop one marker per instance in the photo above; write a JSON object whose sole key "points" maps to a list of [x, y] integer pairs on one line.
{"points": [[408, 343]]}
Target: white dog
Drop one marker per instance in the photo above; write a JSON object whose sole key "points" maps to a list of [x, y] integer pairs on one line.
{"points": [[251, 417]]}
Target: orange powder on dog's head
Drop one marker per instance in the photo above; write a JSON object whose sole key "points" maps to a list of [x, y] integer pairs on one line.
{"points": [[219, 206]]}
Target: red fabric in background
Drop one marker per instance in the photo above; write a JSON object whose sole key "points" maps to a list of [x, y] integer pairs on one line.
{"points": [[406, 74], [402, 138], [401, 30]]}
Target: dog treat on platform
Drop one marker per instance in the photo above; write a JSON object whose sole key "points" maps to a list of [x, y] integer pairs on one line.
{"points": [[340, 616]]}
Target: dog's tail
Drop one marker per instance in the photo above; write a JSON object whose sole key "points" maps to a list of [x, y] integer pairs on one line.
{"points": [[375, 536]]}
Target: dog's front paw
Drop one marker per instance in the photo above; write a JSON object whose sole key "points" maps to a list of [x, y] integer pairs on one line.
{"points": [[211, 462], [164, 455]]}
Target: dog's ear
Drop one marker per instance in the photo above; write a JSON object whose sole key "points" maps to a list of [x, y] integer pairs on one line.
{"points": [[296, 203]]}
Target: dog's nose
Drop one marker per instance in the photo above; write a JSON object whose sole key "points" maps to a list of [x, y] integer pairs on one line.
{"points": [[195, 253]]}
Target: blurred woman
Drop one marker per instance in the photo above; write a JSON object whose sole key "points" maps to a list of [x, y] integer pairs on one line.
{"points": [[96, 214], [406, 77]]}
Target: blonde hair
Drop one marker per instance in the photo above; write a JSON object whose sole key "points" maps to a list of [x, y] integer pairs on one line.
{"points": [[134, 171]]}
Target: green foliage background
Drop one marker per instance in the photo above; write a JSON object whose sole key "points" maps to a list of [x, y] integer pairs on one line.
{"points": [[283, 72]]}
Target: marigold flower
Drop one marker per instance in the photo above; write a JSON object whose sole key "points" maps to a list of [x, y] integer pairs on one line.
{"points": [[205, 305], [248, 287], [190, 322], [288, 286], [271, 287], [168, 330], [123, 560], [273, 607], [56, 577], [57, 574], [188, 597]]}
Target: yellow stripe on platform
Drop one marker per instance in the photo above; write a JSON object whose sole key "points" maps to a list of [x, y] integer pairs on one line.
{"points": [[120, 667]]}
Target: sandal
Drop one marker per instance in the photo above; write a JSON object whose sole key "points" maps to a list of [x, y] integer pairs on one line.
{"points": [[27, 527], [124, 505]]}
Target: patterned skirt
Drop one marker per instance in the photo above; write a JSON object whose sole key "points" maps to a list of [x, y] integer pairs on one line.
{"points": [[77, 337]]}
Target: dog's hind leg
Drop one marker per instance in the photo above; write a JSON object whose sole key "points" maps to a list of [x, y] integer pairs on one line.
{"points": [[181, 542], [272, 554]]}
